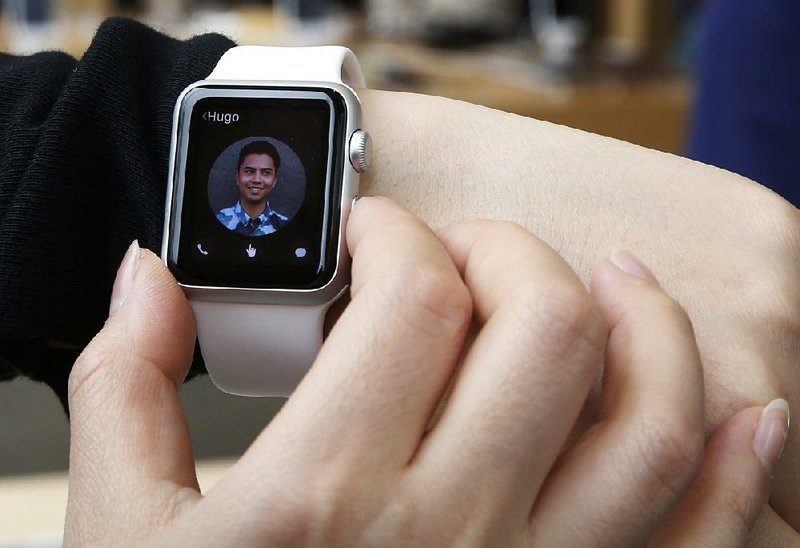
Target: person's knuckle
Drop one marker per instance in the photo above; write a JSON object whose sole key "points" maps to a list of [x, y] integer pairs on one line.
{"points": [[669, 454], [672, 314], [564, 319], [738, 504], [681, 320], [98, 360], [431, 299]]}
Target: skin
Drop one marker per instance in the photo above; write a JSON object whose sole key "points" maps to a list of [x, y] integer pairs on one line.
{"points": [[724, 248], [727, 249], [255, 179], [476, 349]]}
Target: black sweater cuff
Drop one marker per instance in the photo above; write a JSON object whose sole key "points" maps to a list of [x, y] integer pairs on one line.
{"points": [[83, 171]]}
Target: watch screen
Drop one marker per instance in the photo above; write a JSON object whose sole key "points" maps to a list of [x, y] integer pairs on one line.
{"points": [[259, 204]]}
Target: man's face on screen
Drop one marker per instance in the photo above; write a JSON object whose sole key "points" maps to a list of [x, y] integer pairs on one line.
{"points": [[256, 178]]}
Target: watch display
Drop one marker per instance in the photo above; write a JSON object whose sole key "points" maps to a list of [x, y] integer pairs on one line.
{"points": [[257, 195]]}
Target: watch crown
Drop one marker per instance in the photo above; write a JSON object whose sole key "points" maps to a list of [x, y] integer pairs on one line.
{"points": [[360, 150]]}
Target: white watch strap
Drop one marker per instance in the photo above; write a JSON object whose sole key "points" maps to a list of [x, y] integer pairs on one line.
{"points": [[311, 64], [258, 350]]}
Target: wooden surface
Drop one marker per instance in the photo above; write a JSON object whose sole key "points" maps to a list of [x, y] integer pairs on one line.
{"points": [[651, 112], [648, 111], [32, 508]]}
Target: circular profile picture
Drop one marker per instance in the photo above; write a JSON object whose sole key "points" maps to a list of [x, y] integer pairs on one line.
{"points": [[256, 186]]}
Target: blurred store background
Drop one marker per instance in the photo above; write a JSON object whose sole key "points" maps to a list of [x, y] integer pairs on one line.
{"points": [[615, 67], [622, 68]]}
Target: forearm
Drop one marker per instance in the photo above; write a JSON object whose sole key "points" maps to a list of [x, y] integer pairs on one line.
{"points": [[702, 229], [582, 193], [724, 247]]}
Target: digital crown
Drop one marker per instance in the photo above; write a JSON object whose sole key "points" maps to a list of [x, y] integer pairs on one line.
{"points": [[360, 150]]}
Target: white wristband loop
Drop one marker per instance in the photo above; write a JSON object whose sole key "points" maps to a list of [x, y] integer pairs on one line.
{"points": [[257, 349], [312, 64]]}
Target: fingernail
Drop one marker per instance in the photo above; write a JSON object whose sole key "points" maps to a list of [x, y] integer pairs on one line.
{"points": [[125, 277], [773, 427], [627, 262]]}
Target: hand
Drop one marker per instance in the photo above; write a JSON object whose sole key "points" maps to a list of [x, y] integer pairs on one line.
{"points": [[725, 248], [374, 448]]}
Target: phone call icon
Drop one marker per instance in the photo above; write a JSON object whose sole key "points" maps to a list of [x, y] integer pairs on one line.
{"points": [[201, 250]]}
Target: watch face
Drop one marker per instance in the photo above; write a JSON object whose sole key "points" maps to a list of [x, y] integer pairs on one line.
{"points": [[258, 187]]}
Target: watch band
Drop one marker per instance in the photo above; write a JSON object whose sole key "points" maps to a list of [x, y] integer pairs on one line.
{"points": [[257, 349], [309, 64]]}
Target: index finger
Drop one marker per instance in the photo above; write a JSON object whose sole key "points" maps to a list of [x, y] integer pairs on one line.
{"points": [[389, 357], [523, 381]]}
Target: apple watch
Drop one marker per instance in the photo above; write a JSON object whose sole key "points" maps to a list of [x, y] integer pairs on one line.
{"points": [[264, 166]]}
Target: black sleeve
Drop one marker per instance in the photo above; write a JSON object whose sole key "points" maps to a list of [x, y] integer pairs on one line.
{"points": [[83, 169]]}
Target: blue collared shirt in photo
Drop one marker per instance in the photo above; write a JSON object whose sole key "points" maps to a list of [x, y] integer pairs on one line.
{"points": [[236, 219]]}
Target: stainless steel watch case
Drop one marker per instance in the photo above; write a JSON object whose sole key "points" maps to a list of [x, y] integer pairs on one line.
{"points": [[349, 182]]}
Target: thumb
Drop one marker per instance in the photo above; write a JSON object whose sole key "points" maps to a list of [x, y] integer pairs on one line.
{"points": [[731, 489], [129, 437]]}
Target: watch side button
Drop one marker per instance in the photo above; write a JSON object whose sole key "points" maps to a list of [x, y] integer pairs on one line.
{"points": [[360, 150]]}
